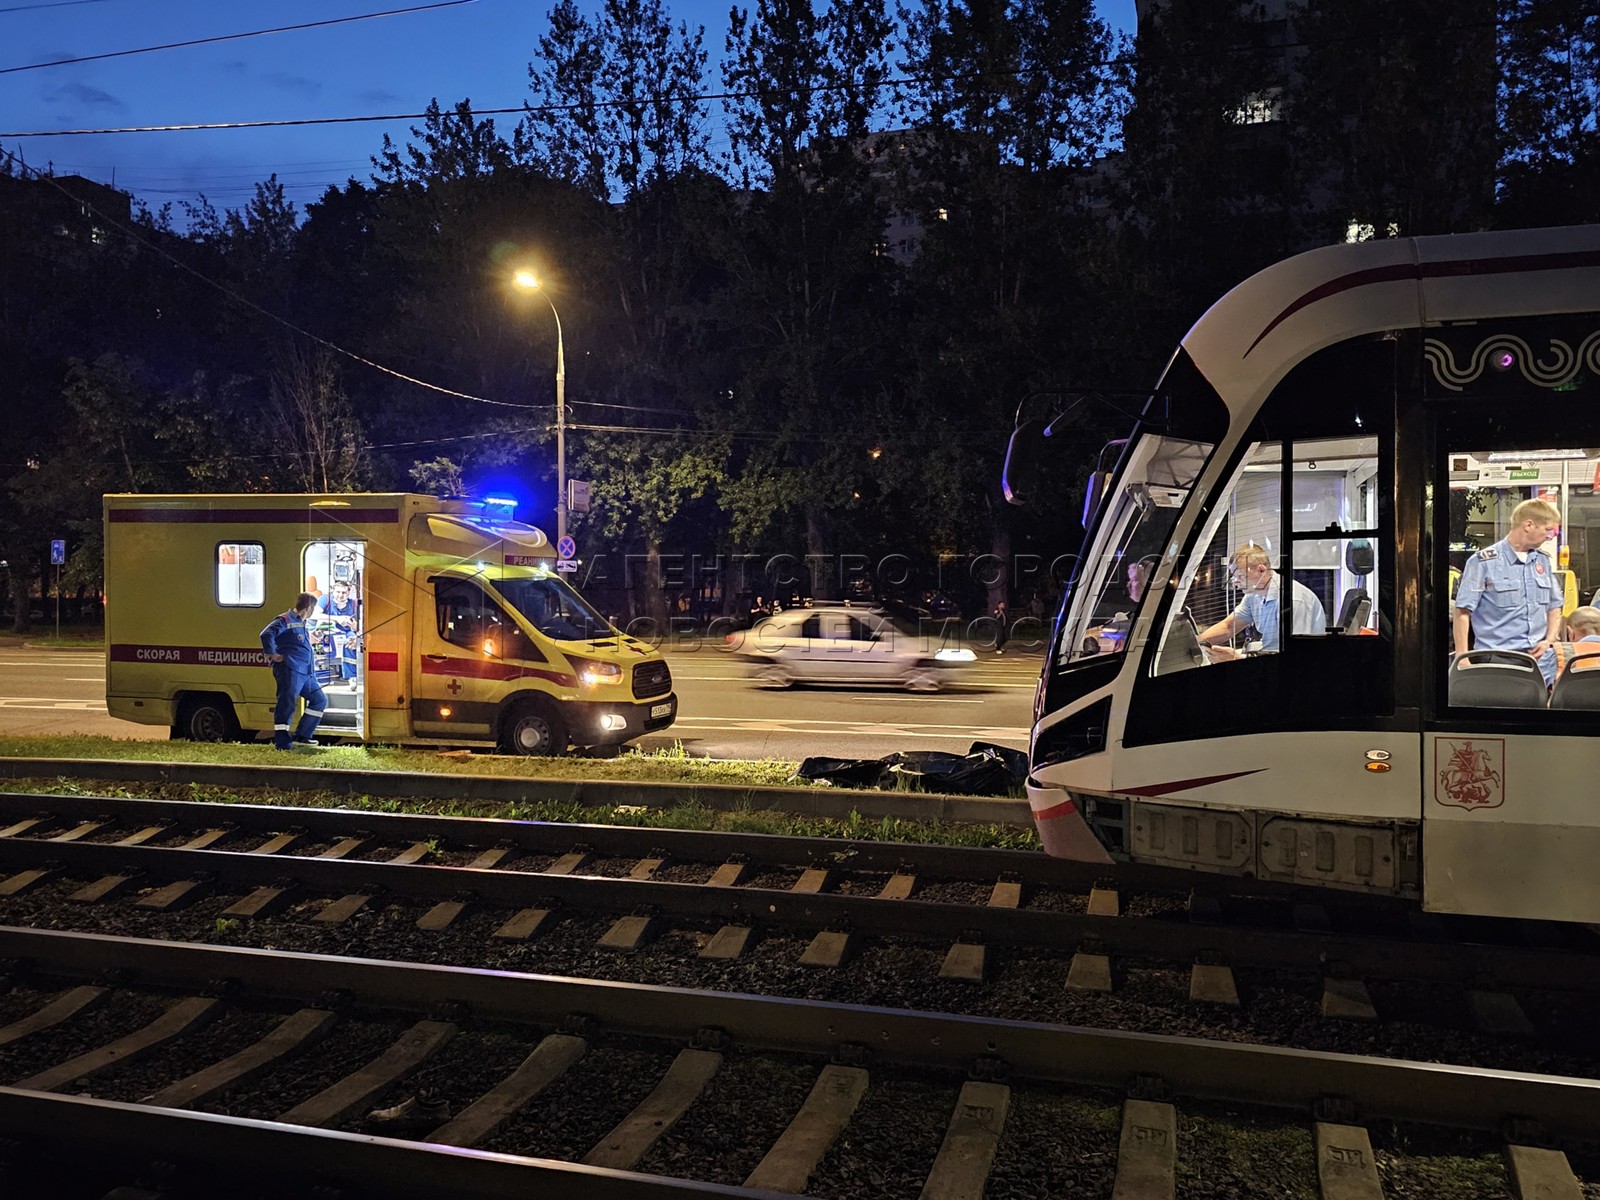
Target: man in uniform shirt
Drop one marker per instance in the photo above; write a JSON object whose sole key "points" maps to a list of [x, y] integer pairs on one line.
{"points": [[340, 607], [1509, 598], [287, 642], [1259, 609]]}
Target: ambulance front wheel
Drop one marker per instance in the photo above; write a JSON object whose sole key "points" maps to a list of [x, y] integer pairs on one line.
{"points": [[207, 718], [533, 728]]}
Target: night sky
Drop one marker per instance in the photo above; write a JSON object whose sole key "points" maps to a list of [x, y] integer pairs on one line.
{"points": [[385, 65]]}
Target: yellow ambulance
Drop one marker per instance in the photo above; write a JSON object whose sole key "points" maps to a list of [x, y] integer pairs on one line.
{"points": [[437, 621]]}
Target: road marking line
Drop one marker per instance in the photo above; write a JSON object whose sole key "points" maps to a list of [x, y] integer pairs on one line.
{"points": [[701, 719], [47, 704], [999, 736], [912, 700], [778, 725]]}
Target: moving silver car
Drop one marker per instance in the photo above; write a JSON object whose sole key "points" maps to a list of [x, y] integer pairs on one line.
{"points": [[841, 644]]}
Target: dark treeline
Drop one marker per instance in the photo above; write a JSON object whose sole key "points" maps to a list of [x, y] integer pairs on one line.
{"points": [[799, 316]]}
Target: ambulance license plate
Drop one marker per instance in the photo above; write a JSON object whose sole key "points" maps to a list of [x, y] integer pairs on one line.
{"points": [[660, 710]]}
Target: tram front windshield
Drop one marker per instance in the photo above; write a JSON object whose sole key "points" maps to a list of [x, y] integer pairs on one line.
{"points": [[554, 609], [1128, 544]]}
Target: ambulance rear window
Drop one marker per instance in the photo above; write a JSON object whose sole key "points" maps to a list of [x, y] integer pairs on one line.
{"points": [[241, 574]]}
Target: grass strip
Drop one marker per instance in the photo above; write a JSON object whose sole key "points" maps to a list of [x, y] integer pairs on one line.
{"points": [[670, 765], [689, 815]]}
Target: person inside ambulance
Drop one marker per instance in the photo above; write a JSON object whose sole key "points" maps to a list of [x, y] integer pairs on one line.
{"points": [[287, 641], [339, 608]]}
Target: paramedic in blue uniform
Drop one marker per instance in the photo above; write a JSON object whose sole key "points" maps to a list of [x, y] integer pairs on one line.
{"points": [[340, 607], [1509, 598], [287, 642], [1259, 609]]}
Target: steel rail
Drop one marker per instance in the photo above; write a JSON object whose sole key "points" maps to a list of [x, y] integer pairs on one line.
{"points": [[1133, 937], [1431, 1093], [349, 1163], [965, 863]]}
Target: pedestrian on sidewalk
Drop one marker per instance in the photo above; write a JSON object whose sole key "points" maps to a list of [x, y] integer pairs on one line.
{"points": [[1001, 631]]}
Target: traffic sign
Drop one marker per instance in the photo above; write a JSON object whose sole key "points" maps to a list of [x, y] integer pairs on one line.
{"points": [[58, 551], [566, 565], [567, 547]]}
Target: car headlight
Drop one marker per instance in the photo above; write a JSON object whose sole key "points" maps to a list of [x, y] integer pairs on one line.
{"points": [[593, 671]]}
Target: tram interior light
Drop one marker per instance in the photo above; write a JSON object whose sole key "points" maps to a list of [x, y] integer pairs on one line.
{"points": [[1503, 360], [1516, 457]]}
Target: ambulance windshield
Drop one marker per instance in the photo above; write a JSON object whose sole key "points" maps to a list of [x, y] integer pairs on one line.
{"points": [[554, 609]]}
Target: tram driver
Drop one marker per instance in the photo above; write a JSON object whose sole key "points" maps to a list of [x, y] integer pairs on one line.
{"points": [[1509, 597], [1259, 608]]}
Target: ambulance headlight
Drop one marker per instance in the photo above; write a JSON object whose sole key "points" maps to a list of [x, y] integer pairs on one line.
{"points": [[594, 672], [611, 722]]}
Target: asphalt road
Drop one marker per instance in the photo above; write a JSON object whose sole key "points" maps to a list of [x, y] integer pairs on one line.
{"points": [[722, 713]]}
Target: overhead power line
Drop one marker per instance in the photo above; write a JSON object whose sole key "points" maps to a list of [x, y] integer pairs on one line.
{"points": [[230, 37], [53, 4], [1130, 60]]}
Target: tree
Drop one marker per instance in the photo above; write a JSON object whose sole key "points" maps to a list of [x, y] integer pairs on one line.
{"points": [[640, 488], [438, 477], [109, 442], [560, 132], [1009, 102], [1549, 112], [454, 147], [449, 223], [1391, 113], [1204, 175], [318, 438], [617, 110], [616, 104], [803, 250]]}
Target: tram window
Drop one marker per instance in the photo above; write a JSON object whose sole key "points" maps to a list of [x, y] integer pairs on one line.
{"points": [[1332, 487], [1139, 517], [1510, 585], [1210, 599]]}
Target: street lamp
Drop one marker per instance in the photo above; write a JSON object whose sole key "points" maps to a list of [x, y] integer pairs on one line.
{"points": [[528, 281]]}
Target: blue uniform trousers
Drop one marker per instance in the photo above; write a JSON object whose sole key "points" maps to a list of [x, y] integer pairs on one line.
{"points": [[293, 683]]}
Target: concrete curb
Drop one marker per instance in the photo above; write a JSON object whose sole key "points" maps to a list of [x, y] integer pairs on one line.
{"points": [[836, 803]]}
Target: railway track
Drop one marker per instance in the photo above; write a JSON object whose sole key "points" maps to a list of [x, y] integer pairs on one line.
{"points": [[759, 913], [187, 1070]]}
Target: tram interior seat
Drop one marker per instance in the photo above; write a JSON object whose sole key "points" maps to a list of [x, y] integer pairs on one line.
{"points": [[1355, 610], [1579, 684], [1496, 679]]}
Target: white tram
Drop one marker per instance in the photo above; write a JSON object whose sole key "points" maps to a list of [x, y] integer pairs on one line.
{"points": [[1368, 415]]}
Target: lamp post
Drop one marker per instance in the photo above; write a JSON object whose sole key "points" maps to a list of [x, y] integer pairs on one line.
{"points": [[528, 281]]}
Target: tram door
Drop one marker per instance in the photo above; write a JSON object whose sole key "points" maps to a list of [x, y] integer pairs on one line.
{"points": [[1510, 823], [334, 571]]}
